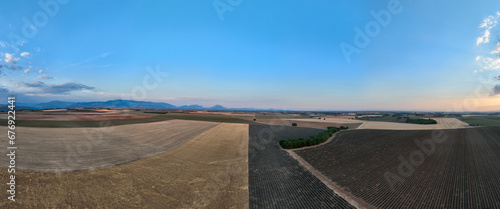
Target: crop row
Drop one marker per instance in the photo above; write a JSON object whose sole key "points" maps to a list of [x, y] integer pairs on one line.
{"points": [[276, 180], [414, 169]]}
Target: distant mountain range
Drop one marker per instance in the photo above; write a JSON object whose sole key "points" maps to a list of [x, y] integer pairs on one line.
{"points": [[116, 104]]}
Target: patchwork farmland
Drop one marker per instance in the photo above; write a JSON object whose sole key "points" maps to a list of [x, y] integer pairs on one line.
{"points": [[215, 160], [414, 169]]}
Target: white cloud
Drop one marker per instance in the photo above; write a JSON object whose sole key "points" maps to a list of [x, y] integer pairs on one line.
{"points": [[27, 70], [487, 24], [497, 49], [44, 77], [40, 71], [488, 63], [484, 38], [25, 54], [9, 58]]}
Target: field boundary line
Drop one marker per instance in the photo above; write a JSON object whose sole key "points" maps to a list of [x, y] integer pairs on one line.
{"points": [[362, 125], [351, 199]]}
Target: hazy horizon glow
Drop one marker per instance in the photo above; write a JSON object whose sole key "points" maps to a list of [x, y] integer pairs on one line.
{"points": [[428, 56]]}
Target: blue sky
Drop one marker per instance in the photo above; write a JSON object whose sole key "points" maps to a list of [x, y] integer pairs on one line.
{"points": [[282, 55]]}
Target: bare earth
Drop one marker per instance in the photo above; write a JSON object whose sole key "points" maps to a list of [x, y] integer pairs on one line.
{"points": [[74, 149], [208, 171], [442, 123], [77, 116]]}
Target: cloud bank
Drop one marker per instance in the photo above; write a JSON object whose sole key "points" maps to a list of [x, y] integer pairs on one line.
{"points": [[496, 90], [38, 87]]}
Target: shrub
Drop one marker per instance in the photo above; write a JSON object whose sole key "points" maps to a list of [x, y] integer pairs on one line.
{"points": [[421, 121]]}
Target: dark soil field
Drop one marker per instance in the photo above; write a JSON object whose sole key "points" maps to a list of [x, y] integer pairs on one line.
{"points": [[276, 180], [483, 121], [79, 115], [457, 168], [207, 117]]}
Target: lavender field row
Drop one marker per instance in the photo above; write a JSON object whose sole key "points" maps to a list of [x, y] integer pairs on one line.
{"points": [[276, 180], [414, 169]]}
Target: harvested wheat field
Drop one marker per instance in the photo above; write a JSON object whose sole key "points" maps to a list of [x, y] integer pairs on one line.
{"points": [[442, 123], [312, 123], [208, 171], [74, 149], [330, 120]]}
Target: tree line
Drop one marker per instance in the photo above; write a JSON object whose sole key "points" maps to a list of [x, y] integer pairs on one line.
{"points": [[421, 121], [312, 140]]}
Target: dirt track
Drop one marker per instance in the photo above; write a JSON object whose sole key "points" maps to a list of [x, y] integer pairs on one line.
{"points": [[356, 202], [73, 149], [209, 171], [279, 181]]}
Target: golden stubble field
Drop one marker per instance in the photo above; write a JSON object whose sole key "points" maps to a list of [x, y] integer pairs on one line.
{"points": [[442, 123], [313, 123], [76, 149], [208, 171]]}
